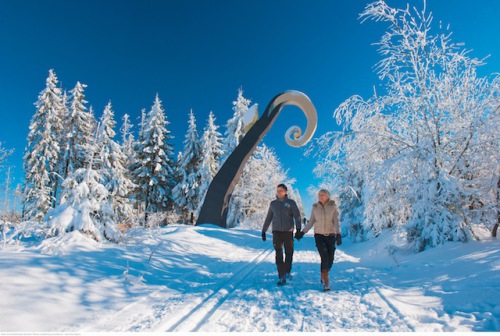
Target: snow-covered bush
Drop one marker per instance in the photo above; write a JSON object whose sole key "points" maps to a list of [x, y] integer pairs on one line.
{"points": [[87, 209]]}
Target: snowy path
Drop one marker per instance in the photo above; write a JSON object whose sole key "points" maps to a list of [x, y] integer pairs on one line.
{"points": [[205, 279], [194, 316], [246, 298], [301, 306]]}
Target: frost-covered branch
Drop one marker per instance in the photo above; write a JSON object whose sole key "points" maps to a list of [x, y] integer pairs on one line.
{"points": [[422, 156]]}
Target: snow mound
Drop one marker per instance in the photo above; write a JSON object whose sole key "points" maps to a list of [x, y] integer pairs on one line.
{"points": [[68, 242]]}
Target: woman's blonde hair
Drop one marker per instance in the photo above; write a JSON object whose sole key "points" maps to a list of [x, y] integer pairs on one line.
{"points": [[324, 191]]}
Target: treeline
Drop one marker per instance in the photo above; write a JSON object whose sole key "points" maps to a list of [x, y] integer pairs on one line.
{"points": [[79, 177]]}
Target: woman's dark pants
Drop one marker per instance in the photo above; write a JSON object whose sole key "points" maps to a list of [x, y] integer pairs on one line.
{"points": [[326, 249]]}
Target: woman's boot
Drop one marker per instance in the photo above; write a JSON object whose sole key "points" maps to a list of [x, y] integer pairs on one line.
{"points": [[325, 280]]}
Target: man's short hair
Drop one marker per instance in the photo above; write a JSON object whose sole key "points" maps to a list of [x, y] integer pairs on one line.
{"points": [[281, 185]]}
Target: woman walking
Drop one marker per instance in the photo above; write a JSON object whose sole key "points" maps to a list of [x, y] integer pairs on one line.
{"points": [[325, 218]]}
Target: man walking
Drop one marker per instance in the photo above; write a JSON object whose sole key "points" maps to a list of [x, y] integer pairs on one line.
{"points": [[282, 213]]}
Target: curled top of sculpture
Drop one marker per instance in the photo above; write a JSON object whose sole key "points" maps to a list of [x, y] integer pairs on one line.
{"points": [[294, 136], [216, 204]]}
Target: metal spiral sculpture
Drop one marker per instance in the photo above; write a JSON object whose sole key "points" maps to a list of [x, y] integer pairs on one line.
{"points": [[215, 206]]}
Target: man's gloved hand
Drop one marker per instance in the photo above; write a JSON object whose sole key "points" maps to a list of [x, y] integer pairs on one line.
{"points": [[263, 235], [339, 239], [299, 235]]}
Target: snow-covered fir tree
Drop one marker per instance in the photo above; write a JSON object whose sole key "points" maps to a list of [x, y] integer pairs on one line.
{"points": [[235, 127], [423, 156], [42, 154], [61, 136], [211, 152], [153, 171], [235, 131], [88, 206], [110, 161], [4, 153], [257, 188], [127, 140], [142, 122], [185, 193], [79, 132], [136, 196]]}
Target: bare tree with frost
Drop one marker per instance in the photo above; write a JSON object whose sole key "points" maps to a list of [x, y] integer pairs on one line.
{"points": [[424, 155]]}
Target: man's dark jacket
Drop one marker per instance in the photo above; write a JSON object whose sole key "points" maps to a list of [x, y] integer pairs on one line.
{"points": [[281, 213]]}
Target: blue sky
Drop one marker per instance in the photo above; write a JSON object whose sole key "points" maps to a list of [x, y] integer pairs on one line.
{"points": [[196, 54]]}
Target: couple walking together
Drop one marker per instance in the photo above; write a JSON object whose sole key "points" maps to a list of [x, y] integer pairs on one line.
{"points": [[324, 217]]}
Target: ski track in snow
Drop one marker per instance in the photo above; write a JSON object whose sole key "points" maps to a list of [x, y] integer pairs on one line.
{"points": [[302, 306], [191, 319], [298, 306], [185, 279]]}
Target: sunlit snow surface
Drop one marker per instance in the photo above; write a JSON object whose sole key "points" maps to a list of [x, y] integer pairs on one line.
{"points": [[183, 278]]}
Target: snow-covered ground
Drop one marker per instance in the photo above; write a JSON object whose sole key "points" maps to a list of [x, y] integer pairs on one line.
{"points": [[183, 278]]}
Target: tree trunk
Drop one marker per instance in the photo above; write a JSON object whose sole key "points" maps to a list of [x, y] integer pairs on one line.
{"points": [[495, 228]]}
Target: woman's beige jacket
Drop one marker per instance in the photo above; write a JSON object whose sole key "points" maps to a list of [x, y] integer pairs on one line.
{"points": [[325, 219]]}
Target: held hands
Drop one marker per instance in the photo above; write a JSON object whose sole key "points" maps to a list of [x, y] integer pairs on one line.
{"points": [[263, 235], [299, 235]]}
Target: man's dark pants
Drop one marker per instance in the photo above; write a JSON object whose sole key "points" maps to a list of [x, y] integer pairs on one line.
{"points": [[283, 239]]}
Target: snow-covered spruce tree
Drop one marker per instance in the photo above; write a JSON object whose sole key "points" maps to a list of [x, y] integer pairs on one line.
{"points": [[79, 132], [425, 152], [61, 136], [257, 188], [88, 207], [42, 156], [127, 146], [235, 128], [186, 191], [110, 161], [153, 171], [235, 131], [211, 152], [128, 140], [142, 123], [136, 196], [3, 155]]}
